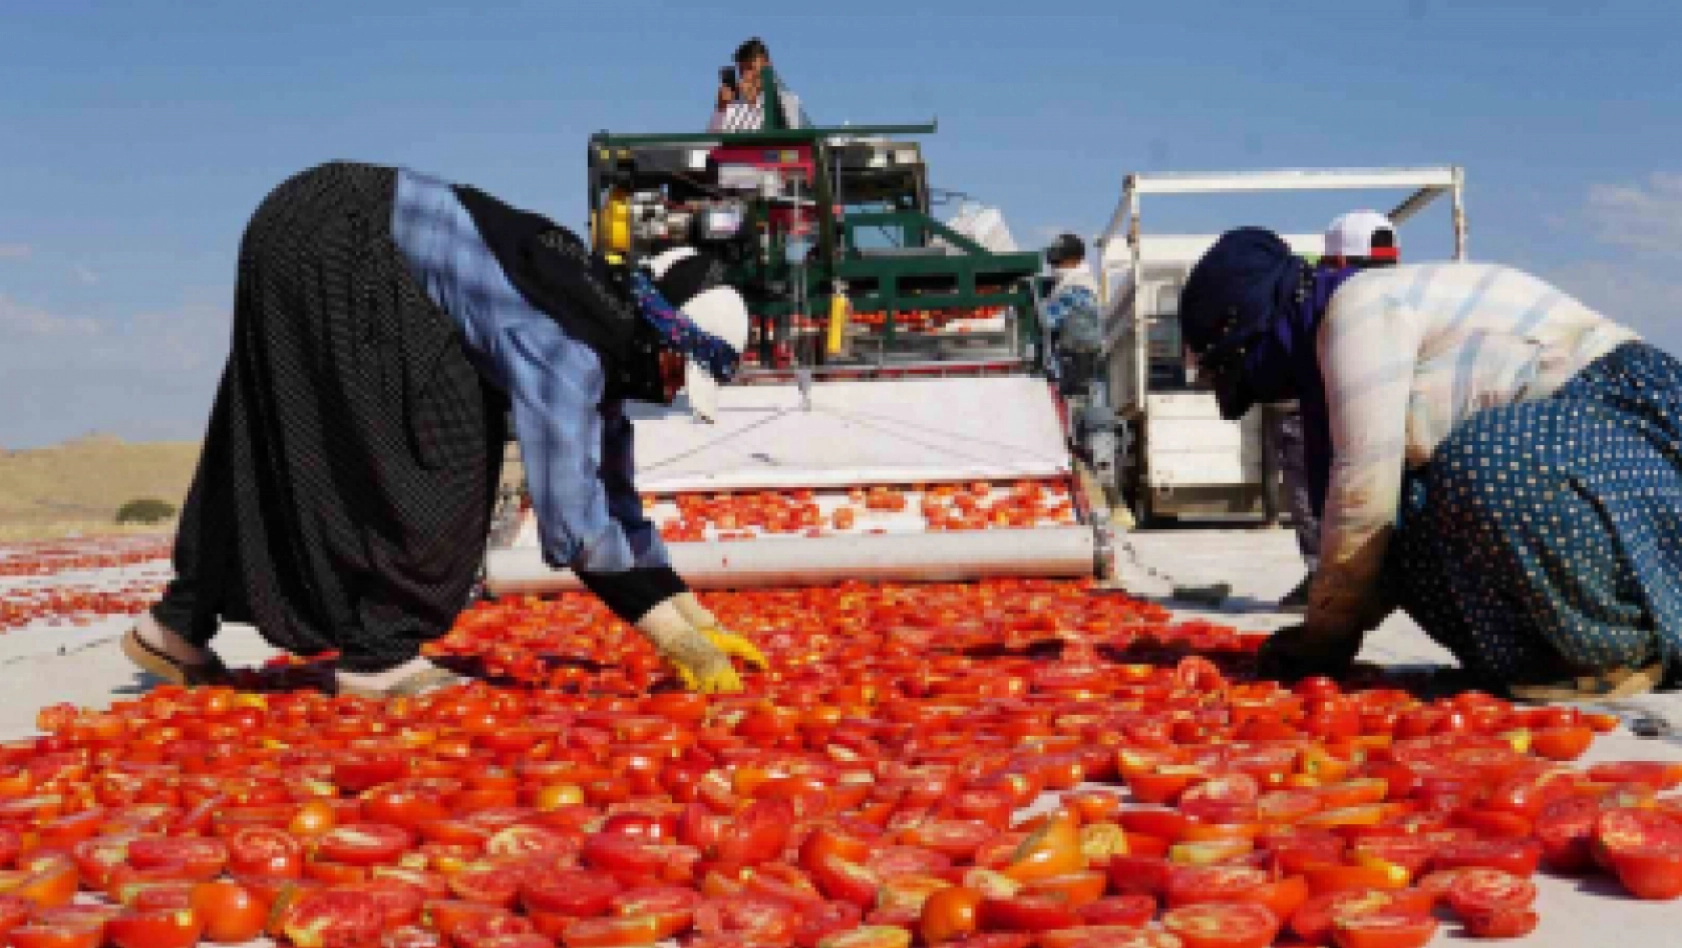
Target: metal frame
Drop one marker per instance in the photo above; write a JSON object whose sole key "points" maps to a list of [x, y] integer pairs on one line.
{"points": [[1427, 183]]}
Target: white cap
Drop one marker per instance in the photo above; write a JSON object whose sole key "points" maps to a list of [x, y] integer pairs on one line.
{"points": [[719, 311], [1351, 236]]}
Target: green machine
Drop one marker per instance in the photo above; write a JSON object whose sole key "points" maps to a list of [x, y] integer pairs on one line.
{"points": [[827, 232]]}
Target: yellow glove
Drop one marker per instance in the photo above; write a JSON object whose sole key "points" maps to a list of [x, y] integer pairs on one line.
{"points": [[700, 665], [728, 642]]}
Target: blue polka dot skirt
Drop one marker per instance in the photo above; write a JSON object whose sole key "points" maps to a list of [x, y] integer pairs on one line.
{"points": [[1547, 536]]}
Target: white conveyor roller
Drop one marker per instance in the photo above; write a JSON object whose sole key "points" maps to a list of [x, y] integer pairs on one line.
{"points": [[917, 557]]}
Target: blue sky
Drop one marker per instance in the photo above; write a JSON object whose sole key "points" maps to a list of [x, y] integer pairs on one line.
{"points": [[136, 137]]}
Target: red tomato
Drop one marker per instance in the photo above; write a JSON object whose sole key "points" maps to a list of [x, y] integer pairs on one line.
{"points": [[199, 857], [1222, 926], [1108, 936], [167, 928], [37, 935], [1517, 856], [263, 851], [1383, 930], [949, 914], [1500, 923], [324, 918], [1651, 872], [1565, 828], [232, 913], [365, 844], [748, 919], [1478, 890], [1129, 911], [1027, 913], [577, 893]]}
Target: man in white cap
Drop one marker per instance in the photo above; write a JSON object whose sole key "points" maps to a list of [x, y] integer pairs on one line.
{"points": [[1362, 240]]}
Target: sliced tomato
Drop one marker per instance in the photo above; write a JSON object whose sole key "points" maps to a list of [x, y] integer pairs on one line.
{"points": [[1027, 913], [1383, 930], [1517, 856], [1228, 798], [1145, 875], [1194, 885], [491, 882], [869, 936], [1500, 923], [749, 919], [365, 844], [325, 918], [1222, 925], [1651, 872], [1314, 920], [1478, 889], [265, 851], [1105, 936], [615, 932], [1129, 911], [1565, 829], [577, 893]]}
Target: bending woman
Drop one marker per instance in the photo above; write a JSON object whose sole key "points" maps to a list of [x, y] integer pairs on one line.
{"points": [[383, 323], [1494, 458]]}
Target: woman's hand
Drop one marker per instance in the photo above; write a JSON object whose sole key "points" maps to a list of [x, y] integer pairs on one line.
{"points": [[701, 665], [1296, 652]]}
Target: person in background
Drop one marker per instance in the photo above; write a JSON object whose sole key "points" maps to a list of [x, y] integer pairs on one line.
{"points": [[383, 323], [740, 103], [1359, 240], [1503, 463], [1070, 316]]}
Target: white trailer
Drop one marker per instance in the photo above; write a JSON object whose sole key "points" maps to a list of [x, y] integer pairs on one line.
{"points": [[1177, 455]]}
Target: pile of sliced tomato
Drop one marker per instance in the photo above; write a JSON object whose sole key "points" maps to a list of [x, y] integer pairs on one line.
{"points": [[30, 594], [49, 558], [1013, 763], [981, 505]]}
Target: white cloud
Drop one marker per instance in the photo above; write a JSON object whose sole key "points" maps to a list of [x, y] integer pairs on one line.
{"points": [[146, 376], [1644, 217], [85, 274], [15, 251]]}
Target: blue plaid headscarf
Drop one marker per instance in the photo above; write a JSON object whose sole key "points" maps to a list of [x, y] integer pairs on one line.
{"points": [[679, 334]]}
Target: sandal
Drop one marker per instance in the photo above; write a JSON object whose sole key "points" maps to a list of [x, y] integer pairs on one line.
{"points": [[425, 681], [159, 664], [1612, 685]]}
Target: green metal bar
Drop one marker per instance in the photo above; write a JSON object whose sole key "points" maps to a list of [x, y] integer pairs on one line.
{"points": [[787, 136], [911, 219]]}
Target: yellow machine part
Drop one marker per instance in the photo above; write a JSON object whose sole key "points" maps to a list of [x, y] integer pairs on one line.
{"points": [[610, 228], [840, 311]]}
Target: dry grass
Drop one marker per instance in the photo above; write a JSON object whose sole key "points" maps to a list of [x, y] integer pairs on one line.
{"points": [[79, 485]]}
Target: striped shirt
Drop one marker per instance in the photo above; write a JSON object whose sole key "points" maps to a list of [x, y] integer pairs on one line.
{"points": [[1408, 353], [750, 116], [575, 447]]}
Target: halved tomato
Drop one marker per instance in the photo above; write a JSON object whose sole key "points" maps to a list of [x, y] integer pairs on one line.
{"points": [[165, 928], [577, 893], [1383, 930], [365, 844], [1222, 925], [1478, 890]]}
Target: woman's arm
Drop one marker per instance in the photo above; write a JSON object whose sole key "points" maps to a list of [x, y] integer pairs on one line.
{"points": [[1368, 347]]}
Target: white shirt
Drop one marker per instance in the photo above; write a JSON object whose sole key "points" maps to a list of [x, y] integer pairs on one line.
{"points": [[1408, 353]]}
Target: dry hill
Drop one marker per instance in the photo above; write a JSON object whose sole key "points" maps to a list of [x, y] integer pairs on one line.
{"points": [[80, 484]]}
